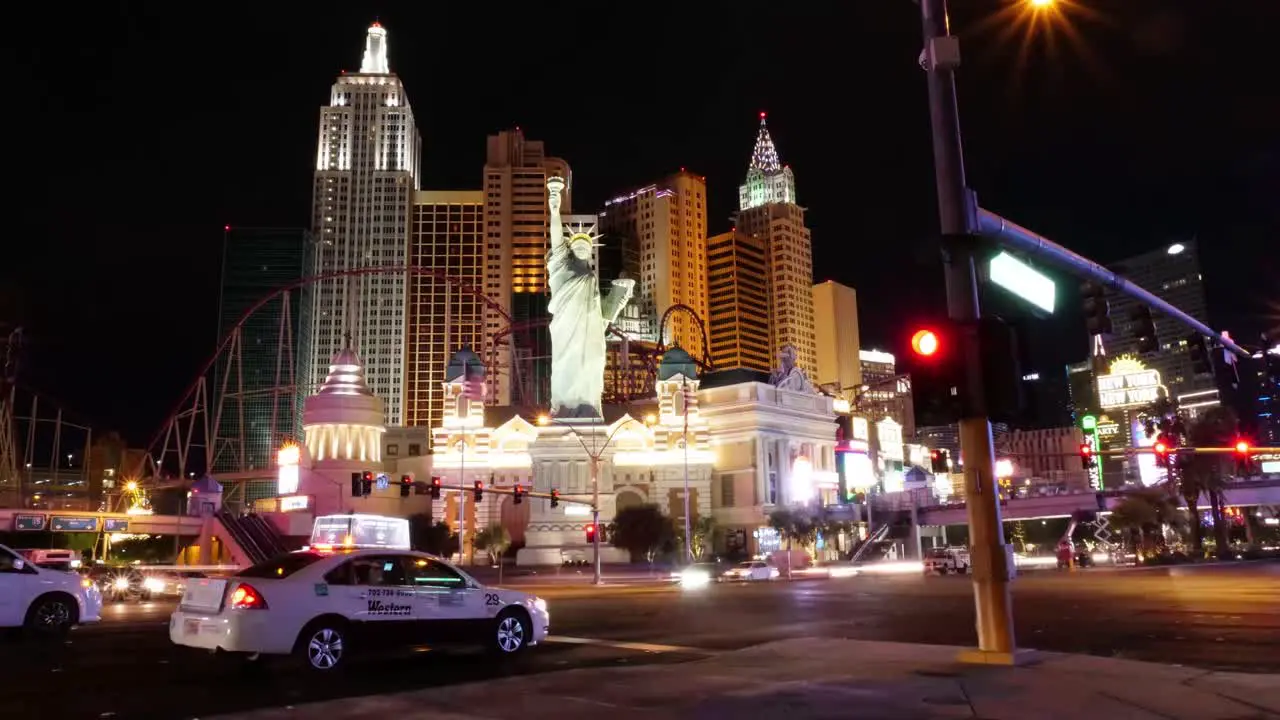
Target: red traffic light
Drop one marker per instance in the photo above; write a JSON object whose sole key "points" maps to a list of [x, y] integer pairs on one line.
{"points": [[1086, 449], [436, 481], [1242, 447], [591, 532], [925, 343], [1161, 448], [368, 476]]}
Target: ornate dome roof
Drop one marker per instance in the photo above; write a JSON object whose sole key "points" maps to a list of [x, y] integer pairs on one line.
{"points": [[346, 376], [676, 361], [464, 361]]}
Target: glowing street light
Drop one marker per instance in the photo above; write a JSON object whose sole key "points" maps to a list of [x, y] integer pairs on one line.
{"points": [[1041, 4]]}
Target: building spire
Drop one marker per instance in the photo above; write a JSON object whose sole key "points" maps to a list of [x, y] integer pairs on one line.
{"points": [[768, 180], [375, 51], [765, 156]]}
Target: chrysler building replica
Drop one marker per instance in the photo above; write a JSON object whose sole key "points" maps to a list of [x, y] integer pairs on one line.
{"points": [[767, 210], [366, 174]]}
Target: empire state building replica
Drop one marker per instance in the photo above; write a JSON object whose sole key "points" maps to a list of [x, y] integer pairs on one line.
{"points": [[366, 174]]}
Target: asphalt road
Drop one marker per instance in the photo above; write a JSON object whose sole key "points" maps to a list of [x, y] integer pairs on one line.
{"points": [[1223, 617]]}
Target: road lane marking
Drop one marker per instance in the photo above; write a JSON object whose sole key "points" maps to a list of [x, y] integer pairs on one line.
{"points": [[627, 645]]}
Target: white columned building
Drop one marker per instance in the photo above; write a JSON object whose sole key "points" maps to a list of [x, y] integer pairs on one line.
{"points": [[773, 447]]}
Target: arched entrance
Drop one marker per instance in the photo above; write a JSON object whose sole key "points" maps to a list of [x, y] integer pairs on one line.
{"points": [[626, 499]]}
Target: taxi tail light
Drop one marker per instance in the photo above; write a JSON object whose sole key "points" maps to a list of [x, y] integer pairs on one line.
{"points": [[246, 597]]}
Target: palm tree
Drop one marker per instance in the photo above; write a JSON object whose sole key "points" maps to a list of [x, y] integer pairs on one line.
{"points": [[1143, 513], [1203, 473]]}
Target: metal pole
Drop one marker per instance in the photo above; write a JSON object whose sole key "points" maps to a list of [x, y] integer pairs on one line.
{"points": [[462, 485], [991, 559], [688, 532], [595, 514]]}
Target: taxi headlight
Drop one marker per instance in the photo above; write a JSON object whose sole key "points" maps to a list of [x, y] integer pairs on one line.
{"points": [[120, 583], [540, 604]]}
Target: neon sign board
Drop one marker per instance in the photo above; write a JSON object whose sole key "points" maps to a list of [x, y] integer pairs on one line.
{"points": [[1129, 384]]}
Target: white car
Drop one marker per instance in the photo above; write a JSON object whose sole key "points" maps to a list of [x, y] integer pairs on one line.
{"points": [[42, 599], [752, 570], [322, 606]]}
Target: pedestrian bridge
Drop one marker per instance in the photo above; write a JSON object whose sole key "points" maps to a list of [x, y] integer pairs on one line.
{"points": [[928, 511], [23, 520]]}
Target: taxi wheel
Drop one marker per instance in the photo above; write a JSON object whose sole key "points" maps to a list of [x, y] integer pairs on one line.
{"points": [[512, 632], [51, 615], [322, 645]]}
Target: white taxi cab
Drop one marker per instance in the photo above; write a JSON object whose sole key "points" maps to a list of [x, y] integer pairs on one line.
{"points": [[44, 600], [323, 605]]}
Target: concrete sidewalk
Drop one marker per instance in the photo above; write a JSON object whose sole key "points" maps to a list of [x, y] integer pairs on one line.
{"points": [[832, 678]]}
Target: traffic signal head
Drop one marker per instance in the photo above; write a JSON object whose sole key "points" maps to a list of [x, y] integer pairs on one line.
{"points": [[517, 494], [555, 497], [1162, 447], [1086, 456], [436, 484], [479, 490], [940, 461], [1144, 329], [925, 343], [356, 485], [366, 483], [1198, 353], [591, 533], [406, 484], [1097, 313]]}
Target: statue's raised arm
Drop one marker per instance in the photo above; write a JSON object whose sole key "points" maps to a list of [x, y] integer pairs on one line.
{"points": [[555, 189]]}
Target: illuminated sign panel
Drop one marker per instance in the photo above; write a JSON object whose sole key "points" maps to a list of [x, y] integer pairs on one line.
{"points": [[1129, 384], [1024, 281], [287, 460]]}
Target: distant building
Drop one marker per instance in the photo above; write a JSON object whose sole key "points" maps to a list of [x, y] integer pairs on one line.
{"points": [[884, 392], [1047, 398], [1173, 274], [835, 318], [257, 262], [1047, 454], [668, 223], [738, 291]]}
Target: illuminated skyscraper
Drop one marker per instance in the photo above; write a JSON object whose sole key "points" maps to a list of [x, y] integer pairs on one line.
{"points": [[447, 235], [768, 210], [668, 223], [738, 295], [366, 173], [515, 197]]}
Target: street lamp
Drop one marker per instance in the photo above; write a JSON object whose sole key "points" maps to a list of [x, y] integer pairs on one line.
{"points": [[594, 454]]}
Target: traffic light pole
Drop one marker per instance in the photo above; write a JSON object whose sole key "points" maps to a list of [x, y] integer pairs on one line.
{"points": [[992, 565]]}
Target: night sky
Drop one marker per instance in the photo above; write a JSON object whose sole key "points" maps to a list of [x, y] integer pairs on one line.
{"points": [[143, 128]]}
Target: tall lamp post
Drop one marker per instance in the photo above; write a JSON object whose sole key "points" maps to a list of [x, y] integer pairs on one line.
{"points": [[594, 454], [958, 211]]}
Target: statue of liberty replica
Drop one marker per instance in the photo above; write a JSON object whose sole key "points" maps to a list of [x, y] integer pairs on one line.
{"points": [[579, 316]]}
